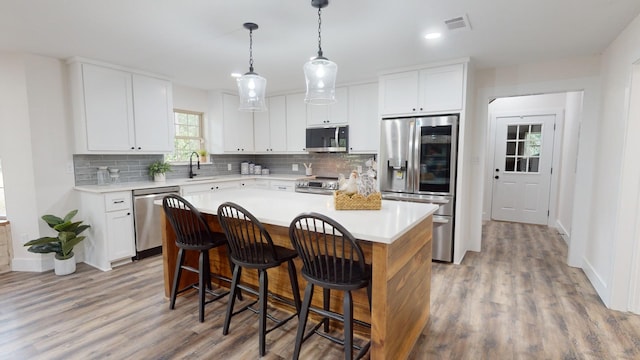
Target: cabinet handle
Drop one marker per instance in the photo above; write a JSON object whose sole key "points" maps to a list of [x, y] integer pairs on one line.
{"points": [[128, 213], [133, 148], [420, 109], [118, 201], [414, 109], [139, 148], [282, 188]]}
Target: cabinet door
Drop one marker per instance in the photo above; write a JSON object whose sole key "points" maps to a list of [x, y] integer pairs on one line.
{"points": [[441, 88], [227, 185], [283, 185], [153, 114], [399, 93], [278, 123], [332, 114], [296, 122], [364, 125], [261, 130], [237, 126], [120, 235], [108, 109]]}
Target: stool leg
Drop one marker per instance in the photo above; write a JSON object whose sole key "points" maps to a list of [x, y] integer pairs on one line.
{"points": [[201, 285], [176, 278], [237, 271], [206, 269], [262, 324], [293, 277], [302, 319], [347, 305], [326, 302]]}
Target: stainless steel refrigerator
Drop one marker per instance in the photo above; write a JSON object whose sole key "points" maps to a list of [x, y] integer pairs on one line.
{"points": [[418, 159]]}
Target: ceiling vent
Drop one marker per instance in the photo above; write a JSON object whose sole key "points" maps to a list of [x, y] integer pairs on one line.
{"points": [[458, 23]]}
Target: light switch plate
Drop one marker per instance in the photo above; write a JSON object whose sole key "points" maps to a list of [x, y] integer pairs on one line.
{"points": [[294, 167]]}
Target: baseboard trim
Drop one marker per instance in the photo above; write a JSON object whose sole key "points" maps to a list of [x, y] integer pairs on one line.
{"points": [[566, 236], [45, 263], [597, 282]]}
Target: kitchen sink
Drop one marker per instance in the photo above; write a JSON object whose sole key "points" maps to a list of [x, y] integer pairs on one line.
{"points": [[201, 179]]}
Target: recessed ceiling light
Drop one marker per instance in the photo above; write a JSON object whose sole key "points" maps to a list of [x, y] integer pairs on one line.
{"points": [[236, 75], [433, 35]]}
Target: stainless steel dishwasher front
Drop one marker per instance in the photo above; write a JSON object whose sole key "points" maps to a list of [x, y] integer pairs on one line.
{"points": [[147, 219]]}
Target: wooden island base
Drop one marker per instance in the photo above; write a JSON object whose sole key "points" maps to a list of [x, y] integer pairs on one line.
{"points": [[401, 283]]}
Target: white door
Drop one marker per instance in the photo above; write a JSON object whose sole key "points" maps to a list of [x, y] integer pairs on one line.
{"points": [[522, 168]]}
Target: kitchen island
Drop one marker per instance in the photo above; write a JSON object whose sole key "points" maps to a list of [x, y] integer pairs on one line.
{"points": [[396, 241]]}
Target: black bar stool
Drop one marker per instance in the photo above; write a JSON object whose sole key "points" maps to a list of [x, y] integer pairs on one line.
{"points": [[252, 248], [333, 260], [193, 234]]}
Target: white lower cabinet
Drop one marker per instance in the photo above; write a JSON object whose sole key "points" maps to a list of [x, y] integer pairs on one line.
{"points": [[203, 188], [111, 238]]}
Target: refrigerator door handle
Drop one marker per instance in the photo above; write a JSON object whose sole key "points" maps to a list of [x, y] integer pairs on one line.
{"points": [[440, 220]]}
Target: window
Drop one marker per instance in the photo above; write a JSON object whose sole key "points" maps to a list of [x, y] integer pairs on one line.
{"points": [[3, 209], [189, 135], [523, 148]]}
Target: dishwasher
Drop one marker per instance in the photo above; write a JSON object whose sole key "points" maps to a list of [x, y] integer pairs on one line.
{"points": [[147, 219]]}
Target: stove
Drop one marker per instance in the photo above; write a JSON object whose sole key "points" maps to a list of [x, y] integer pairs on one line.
{"points": [[319, 185]]}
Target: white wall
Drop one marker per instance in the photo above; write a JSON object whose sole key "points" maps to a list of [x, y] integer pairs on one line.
{"points": [[568, 162], [609, 250], [35, 144]]}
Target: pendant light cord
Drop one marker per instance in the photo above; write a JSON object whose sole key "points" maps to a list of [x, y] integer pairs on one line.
{"points": [[319, 32], [251, 51]]}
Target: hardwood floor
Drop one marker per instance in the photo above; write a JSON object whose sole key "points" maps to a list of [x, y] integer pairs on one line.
{"points": [[514, 300]]}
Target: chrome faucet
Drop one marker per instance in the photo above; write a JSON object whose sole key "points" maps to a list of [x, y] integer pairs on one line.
{"points": [[191, 174]]}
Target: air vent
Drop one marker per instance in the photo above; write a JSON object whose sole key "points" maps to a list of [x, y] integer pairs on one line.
{"points": [[458, 23]]}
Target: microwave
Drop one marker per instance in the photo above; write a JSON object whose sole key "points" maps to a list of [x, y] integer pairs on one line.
{"points": [[328, 139]]}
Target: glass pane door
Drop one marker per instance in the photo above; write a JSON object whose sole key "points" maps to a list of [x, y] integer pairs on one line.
{"points": [[435, 159]]}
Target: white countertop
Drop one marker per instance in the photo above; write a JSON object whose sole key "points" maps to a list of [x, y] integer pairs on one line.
{"points": [[280, 208], [128, 186]]}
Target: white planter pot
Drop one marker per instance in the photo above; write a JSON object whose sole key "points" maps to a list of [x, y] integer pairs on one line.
{"points": [[65, 267], [159, 177]]}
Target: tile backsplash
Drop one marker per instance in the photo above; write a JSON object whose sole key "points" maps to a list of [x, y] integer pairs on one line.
{"points": [[135, 167]]}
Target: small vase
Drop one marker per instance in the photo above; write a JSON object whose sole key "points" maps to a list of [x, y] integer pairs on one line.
{"points": [[159, 177], [204, 158], [64, 267]]}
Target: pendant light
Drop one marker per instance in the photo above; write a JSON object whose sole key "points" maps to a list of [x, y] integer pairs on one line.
{"points": [[320, 72], [251, 86]]}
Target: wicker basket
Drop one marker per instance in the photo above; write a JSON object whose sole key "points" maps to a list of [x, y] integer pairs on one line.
{"points": [[343, 201]]}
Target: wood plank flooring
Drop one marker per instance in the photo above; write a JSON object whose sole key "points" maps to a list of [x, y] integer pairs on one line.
{"points": [[514, 300]]}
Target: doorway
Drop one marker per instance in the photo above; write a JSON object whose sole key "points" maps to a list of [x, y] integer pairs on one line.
{"points": [[528, 198], [522, 167]]}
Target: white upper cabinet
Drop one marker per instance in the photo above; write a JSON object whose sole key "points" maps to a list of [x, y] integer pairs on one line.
{"points": [[270, 127], [364, 125], [442, 88], [399, 93], [153, 114], [116, 111], [237, 126], [430, 90], [332, 114], [296, 122]]}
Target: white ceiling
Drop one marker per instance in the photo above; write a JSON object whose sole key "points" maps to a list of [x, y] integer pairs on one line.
{"points": [[199, 43]]}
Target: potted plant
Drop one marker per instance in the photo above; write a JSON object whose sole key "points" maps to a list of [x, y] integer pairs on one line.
{"points": [[62, 245], [158, 169], [203, 155]]}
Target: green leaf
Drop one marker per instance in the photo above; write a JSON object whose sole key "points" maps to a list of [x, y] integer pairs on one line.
{"points": [[52, 220], [81, 228], [65, 236], [64, 226], [45, 248], [67, 247], [70, 215], [42, 240]]}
